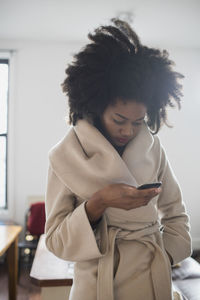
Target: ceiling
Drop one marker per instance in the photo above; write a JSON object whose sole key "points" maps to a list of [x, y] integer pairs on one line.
{"points": [[174, 22]]}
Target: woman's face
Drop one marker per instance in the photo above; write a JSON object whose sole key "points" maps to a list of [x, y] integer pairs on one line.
{"points": [[122, 121]]}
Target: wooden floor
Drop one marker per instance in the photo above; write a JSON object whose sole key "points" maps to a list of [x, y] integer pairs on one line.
{"points": [[25, 289]]}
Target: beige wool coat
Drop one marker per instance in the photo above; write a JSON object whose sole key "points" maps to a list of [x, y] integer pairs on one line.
{"points": [[125, 256]]}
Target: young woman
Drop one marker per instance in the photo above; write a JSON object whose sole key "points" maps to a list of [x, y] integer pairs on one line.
{"points": [[123, 240]]}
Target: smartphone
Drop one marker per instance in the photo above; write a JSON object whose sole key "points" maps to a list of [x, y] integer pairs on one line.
{"points": [[149, 186]]}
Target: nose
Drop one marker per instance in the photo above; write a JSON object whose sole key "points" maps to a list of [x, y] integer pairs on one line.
{"points": [[127, 131]]}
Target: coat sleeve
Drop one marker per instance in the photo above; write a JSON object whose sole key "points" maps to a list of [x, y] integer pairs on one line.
{"points": [[173, 216], [69, 234]]}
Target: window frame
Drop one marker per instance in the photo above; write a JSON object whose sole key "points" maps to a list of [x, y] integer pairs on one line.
{"points": [[5, 134]]}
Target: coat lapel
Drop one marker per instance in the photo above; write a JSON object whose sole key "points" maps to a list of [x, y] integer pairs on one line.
{"points": [[140, 156], [86, 161]]}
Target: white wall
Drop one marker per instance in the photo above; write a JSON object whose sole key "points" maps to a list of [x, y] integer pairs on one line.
{"points": [[37, 117], [38, 109], [182, 142]]}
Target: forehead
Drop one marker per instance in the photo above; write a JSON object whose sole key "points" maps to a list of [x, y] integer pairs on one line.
{"points": [[129, 109]]}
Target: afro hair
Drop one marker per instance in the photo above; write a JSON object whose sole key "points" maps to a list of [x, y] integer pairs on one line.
{"points": [[115, 65]]}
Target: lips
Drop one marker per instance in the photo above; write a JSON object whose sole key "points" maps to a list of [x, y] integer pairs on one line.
{"points": [[123, 141]]}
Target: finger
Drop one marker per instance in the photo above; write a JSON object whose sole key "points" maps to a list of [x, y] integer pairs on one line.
{"points": [[130, 191], [138, 202], [147, 194]]}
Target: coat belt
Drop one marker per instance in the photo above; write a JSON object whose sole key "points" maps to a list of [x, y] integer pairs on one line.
{"points": [[159, 265]]}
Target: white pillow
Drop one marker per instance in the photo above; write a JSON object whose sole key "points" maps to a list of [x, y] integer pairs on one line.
{"points": [[189, 268]]}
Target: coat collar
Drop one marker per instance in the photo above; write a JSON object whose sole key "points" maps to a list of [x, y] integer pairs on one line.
{"points": [[85, 157], [93, 142]]}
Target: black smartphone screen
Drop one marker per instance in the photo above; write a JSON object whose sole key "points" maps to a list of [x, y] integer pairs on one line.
{"points": [[150, 185]]}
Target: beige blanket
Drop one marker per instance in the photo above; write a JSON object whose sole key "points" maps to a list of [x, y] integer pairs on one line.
{"points": [[126, 256]]}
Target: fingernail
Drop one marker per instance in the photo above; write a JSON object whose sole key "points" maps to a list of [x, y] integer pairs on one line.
{"points": [[158, 190]]}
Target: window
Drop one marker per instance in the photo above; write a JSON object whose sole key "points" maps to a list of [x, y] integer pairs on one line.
{"points": [[4, 69]]}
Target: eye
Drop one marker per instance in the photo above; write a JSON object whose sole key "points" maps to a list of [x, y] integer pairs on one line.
{"points": [[137, 124], [118, 122]]}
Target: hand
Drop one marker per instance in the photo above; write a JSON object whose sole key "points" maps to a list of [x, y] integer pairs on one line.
{"points": [[126, 196], [120, 196]]}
